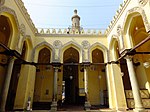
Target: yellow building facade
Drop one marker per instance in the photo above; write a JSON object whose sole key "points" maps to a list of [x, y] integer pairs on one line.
{"points": [[46, 68]]}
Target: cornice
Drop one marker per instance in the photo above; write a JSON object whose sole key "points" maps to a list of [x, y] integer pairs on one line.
{"points": [[22, 8], [122, 7]]}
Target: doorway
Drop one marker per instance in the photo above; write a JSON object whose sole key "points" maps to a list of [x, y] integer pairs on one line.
{"points": [[70, 79]]}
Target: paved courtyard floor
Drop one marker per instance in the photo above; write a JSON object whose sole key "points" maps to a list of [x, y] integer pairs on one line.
{"points": [[79, 108]]}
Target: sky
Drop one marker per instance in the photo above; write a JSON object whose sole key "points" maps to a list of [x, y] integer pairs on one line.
{"points": [[94, 14]]}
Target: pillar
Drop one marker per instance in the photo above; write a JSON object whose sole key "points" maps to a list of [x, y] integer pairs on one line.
{"points": [[54, 102], [7, 83], [134, 84], [25, 88], [87, 103], [109, 86], [119, 100]]}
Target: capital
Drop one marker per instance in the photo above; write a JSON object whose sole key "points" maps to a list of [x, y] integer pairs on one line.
{"points": [[128, 57], [86, 64], [56, 64]]}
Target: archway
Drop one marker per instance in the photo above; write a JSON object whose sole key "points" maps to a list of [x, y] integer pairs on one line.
{"points": [[122, 63], [70, 76], [97, 80], [43, 88], [5, 33], [14, 79], [136, 33]]}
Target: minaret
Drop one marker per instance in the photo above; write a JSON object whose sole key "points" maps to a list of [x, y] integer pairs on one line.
{"points": [[75, 21]]}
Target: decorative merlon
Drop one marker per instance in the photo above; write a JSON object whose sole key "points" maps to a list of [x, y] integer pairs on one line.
{"points": [[118, 12], [69, 31], [26, 14]]}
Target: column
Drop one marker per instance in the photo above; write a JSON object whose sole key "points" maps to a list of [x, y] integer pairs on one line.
{"points": [[134, 84], [116, 83], [25, 88], [54, 102], [7, 83], [87, 103], [109, 86]]}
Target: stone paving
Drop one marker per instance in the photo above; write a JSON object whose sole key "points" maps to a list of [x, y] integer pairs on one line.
{"points": [[79, 108], [100, 110]]}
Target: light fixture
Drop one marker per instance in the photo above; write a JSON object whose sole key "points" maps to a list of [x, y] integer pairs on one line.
{"points": [[4, 28], [71, 77], [48, 67], [136, 28], [146, 64], [122, 74], [99, 76]]}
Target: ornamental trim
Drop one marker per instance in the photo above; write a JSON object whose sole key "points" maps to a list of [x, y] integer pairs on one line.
{"points": [[85, 44], [143, 2], [57, 44]]}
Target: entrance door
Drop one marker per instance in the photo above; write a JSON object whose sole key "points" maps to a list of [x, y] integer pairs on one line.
{"points": [[70, 79]]}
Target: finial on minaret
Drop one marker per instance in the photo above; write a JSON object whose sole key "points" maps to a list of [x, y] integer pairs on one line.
{"points": [[75, 11]]}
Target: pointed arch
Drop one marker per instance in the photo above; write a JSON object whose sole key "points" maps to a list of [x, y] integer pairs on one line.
{"points": [[100, 47], [29, 48], [113, 38], [14, 23], [136, 11], [75, 46], [112, 48], [130, 15], [128, 26], [41, 46]]}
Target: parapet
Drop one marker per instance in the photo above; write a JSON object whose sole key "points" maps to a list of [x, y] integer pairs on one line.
{"points": [[118, 12], [70, 31]]}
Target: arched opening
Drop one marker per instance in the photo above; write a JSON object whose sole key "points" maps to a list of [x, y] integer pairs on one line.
{"points": [[14, 80], [43, 89], [97, 80], [124, 70], [70, 77], [137, 33], [5, 30], [5, 33], [67, 46], [122, 64]]}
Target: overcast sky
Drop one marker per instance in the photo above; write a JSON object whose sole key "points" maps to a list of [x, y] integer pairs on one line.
{"points": [[57, 13]]}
